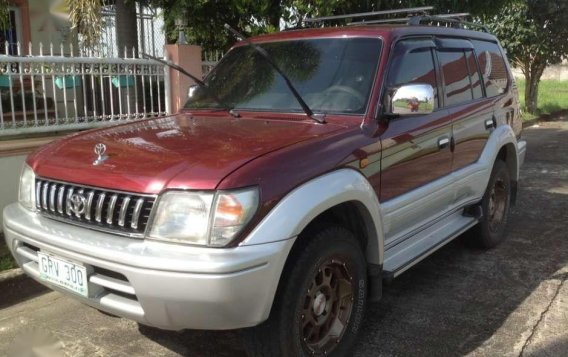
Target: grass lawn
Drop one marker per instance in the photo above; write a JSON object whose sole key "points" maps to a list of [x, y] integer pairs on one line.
{"points": [[6, 261], [552, 96]]}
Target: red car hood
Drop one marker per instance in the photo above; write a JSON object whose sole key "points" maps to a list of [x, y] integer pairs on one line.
{"points": [[173, 152]]}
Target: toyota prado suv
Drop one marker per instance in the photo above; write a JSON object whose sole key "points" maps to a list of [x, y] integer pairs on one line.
{"points": [[309, 167]]}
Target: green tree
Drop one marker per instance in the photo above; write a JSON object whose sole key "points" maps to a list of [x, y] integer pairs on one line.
{"points": [[535, 35], [298, 9], [4, 13], [85, 16], [206, 18]]}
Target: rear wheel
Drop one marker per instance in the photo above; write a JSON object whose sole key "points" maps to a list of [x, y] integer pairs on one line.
{"points": [[495, 206], [321, 300]]}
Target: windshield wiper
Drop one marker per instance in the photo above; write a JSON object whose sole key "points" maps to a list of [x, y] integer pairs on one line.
{"points": [[196, 80], [316, 117]]}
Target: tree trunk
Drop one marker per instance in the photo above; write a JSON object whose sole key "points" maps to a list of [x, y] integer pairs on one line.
{"points": [[532, 77], [275, 14], [127, 43], [531, 94], [126, 27]]}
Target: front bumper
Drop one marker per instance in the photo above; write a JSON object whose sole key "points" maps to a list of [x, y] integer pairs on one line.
{"points": [[158, 284]]}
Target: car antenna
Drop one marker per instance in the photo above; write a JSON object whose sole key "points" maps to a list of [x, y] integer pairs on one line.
{"points": [[199, 82], [316, 117]]}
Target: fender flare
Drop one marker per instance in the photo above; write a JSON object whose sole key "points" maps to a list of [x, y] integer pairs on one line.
{"points": [[502, 136], [302, 205]]}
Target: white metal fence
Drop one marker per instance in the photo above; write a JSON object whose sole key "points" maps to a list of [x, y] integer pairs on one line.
{"points": [[52, 93]]}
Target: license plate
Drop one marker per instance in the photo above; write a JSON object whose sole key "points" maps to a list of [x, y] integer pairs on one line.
{"points": [[64, 273]]}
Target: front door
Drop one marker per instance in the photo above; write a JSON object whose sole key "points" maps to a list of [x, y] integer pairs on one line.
{"points": [[416, 149]]}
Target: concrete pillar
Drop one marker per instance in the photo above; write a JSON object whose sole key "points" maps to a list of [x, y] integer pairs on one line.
{"points": [[13, 153], [188, 57]]}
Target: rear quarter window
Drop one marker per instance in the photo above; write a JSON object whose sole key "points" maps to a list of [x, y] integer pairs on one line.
{"points": [[492, 66], [474, 74]]}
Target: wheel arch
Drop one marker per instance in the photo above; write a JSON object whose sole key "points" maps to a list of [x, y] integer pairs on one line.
{"points": [[354, 216], [501, 145], [336, 196], [508, 154]]}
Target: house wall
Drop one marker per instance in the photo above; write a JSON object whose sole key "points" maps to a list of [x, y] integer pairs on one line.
{"points": [[44, 21], [557, 72], [49, 24]]}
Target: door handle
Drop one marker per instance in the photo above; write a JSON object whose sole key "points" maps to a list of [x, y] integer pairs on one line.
{"points": [[443, 142], [490, 123]]}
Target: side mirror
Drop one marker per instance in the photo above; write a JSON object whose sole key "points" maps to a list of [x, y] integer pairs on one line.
{"points": [[192, 90], [410, 99]]}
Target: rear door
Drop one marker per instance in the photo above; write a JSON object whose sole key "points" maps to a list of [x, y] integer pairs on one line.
{"points": [[464, 99]]}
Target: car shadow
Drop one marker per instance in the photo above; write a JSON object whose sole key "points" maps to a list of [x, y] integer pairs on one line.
{"points": [[197, 343], [20, 289]]}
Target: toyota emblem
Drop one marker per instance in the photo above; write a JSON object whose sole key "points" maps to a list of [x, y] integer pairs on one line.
{"points": [[100, 150], [77, 204]]}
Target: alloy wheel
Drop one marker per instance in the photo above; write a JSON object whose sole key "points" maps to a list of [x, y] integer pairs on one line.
{"points": [[327, 308]]}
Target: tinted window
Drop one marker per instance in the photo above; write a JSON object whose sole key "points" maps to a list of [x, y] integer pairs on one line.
{"points": [[492, 66], [474, 74], [331, 75], [413, 63], [457, 85]]}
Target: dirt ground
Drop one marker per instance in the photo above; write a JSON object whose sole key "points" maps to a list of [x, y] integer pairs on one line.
{"points": [[509, 301]]}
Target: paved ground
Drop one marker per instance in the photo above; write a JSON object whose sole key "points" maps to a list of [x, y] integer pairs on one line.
{"points": [[510, 301]]}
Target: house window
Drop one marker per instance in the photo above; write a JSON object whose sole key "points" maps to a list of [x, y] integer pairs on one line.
{"points": [[11, 34]]}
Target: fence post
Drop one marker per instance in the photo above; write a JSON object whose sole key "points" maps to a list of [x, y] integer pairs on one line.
{"points": [[167, 87], [188, 57]]}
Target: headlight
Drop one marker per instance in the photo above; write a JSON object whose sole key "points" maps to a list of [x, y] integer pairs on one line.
{"points": [[233, 210], [26, 193], [209, 219]]}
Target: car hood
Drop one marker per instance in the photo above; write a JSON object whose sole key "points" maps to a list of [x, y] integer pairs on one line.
{"points": [[181, 151]]}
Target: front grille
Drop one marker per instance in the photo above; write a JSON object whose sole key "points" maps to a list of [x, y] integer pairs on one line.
{"points": [[112, 211]]}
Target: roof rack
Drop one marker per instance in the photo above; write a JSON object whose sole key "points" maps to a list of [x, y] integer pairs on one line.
{"points": [[459, 16], [448, 19], [409, 12], [414, 16]]}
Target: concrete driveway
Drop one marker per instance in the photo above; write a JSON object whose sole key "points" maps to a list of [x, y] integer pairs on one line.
{"points": [[510, 301]]}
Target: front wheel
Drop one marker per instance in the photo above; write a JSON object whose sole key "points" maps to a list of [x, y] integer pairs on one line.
{"points": [[321, 300]]}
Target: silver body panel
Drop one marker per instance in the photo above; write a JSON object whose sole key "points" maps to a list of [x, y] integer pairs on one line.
{"points": [[174, 286]]}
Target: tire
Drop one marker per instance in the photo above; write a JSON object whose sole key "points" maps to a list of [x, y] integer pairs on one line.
{"points": [[495, 207], [323, 266]]}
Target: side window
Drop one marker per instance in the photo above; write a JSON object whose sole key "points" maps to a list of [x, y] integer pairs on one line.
{"points": [[412, 62], [457, 84], [492, 66], [474, 74]]}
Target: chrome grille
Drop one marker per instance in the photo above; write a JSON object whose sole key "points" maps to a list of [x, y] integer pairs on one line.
{"points": [[111, 211]]}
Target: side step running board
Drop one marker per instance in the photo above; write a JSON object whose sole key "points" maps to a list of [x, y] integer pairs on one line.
{"points": [[402, 257]]}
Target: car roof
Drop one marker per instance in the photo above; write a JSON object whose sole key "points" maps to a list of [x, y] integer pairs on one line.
{"points": [[386, 31]]}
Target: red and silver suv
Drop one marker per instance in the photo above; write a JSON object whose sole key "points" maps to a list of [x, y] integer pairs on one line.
{"points": [[309, 166]]}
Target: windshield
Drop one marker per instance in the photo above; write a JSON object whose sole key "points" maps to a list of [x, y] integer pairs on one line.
{"points": [[332, 75]]}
